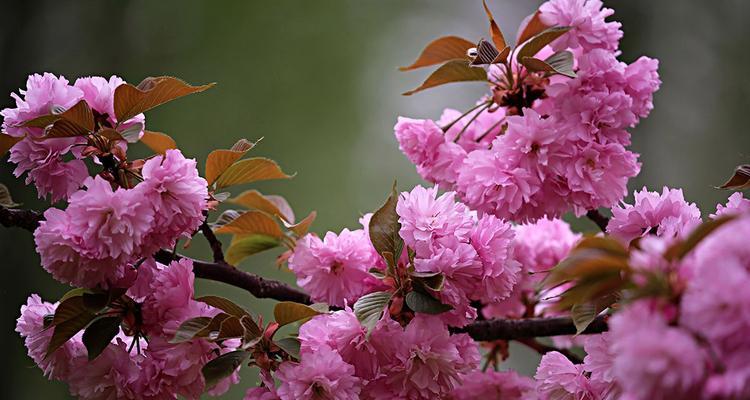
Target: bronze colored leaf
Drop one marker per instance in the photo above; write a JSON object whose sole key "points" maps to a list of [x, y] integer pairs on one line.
{"points": [[533, 27], [495, 32], [441, 50], [384, 230], [151, 92], [42, 121], [65, 330], [486, 54], [585, 313], [424, 303], [243, 246], [250, 170], [230, 328], [223, 366], [452, 71], [219, 160], [99, 334], [190, 329], [252, 222], [226, 217], [7, 142], [301, 228], [540, 40], [559, 63], [286, 312], [76, 121], [740, 180], [158, 142], [290, 345], [274, 205], [223, 304]]}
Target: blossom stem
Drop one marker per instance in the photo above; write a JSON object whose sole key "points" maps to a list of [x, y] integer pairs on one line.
{"points": [[213, 241], [486, 103], [473, 118]]}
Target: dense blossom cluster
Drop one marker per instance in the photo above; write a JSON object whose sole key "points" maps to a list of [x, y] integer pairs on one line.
{"points": [[418, 272], [159, 370], [566, 150]]}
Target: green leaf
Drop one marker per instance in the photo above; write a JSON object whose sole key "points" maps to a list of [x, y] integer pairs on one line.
{"points": [[540, 40], [740, 180], [585, 313], [452, 71], [99, 334], [250, 170], [244, 246], [384, 229], [441, 50], [290, 345], [5, 199], [424, 303], [369, 308], [130, 100], [223, 304], [223, 366], [190, 329], [286, 312]]}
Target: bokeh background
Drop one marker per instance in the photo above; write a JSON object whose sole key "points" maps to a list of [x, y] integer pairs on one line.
{"points": [[318, 81]]}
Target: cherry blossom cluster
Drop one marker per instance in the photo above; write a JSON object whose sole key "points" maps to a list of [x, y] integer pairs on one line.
{"points": [[689, 339], [104, 240], [564, 147], [159, 369]]}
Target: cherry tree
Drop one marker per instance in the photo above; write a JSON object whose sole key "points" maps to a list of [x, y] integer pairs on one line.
{"points": [[423, 299]]}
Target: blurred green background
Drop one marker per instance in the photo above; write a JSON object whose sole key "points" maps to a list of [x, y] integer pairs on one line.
{"points": [[318, 81]]}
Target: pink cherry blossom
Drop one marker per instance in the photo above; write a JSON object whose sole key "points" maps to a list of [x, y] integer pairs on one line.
{"points": [[736, 204], [114, 374], [336, 269], [322, 374], [44, 94], [558, 378], [493, 385], [666, 214], [587, 19], [492, 238]]}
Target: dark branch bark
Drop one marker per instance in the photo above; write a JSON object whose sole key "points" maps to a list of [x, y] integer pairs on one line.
{"points": [[493, 329], [26, 219], [215, 243], [543, 349], [600, 220], [256, 285], [515, 329]]}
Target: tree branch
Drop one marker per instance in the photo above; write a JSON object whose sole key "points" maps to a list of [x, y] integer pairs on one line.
{"points": [[215, 243], [600, 220], [543, 349], [515, 329], [493, 329]]}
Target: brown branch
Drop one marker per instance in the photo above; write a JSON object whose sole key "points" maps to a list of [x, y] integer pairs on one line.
{"points": [[600, 220], [215, 243], [223, 272], [26, 219], [493, 329], [515, 329]]}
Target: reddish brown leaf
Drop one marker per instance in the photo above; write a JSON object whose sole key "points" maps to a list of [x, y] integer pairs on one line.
{"points": [[151, 92], [219, 160], [536, 43], [441, 50], [740, 180], [681, 248], [452, 71], [301, 228], [495, 32], [76, 121], [6, 142], [532, 28], [158, 142], [274, 205]]}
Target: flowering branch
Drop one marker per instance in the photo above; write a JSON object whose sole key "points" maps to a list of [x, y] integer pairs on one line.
{"points": [[221, 271], [213, 241], [600, 220]]}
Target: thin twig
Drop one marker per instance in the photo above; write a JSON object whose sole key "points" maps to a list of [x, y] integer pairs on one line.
{"points": [[543, 349], [215, 243]]}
